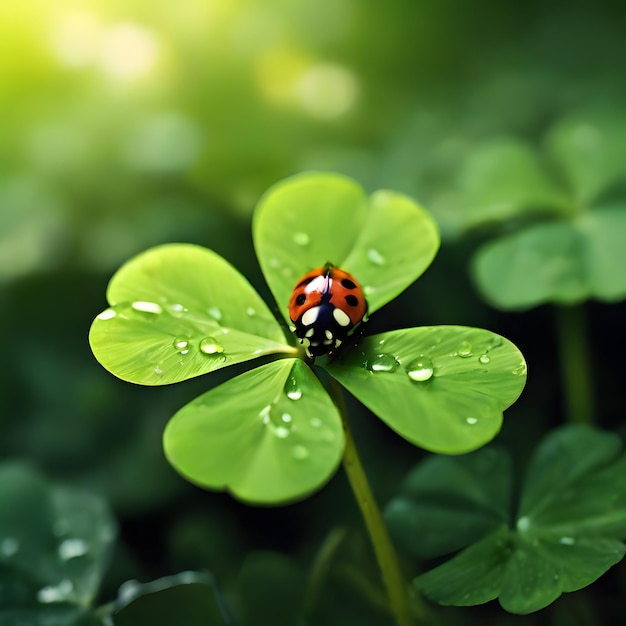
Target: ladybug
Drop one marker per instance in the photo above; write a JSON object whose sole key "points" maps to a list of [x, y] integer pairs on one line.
{"points": [[327, 305]]}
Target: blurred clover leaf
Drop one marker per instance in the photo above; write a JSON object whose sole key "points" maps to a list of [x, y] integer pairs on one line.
{"points": [[55, 545], [567, 530], [273, 434], [569, 205]]}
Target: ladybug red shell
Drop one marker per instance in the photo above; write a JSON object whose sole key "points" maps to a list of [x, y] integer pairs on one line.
{"points": [[326, 306]]}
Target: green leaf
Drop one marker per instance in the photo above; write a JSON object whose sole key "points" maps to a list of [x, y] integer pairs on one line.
{"points": [[385, 241], [270, 435], [187, 598], [442, 388], [505, 179], [179, 311], [472, 577], [590, 149], [446, 503], [570, 529], [55, 542], [561, 262]]}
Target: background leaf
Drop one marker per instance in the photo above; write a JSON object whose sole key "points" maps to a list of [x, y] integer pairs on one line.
{"points": [[188, 598], [569, 531], [386, 241], [442, 388], [55, 545], [270, 435], [560, 262], [446, 503], [179, 311], [590, 150]]}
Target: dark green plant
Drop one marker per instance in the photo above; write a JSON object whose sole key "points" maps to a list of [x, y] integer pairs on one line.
{"points": [[560, 213], [274, 433], [563, 531]]}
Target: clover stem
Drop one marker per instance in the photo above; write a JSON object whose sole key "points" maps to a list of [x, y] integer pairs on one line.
{"points": [[385, 552], [574, 353]]}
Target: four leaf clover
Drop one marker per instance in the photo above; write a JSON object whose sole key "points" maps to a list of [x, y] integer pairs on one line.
{"points": [[274, 434]]}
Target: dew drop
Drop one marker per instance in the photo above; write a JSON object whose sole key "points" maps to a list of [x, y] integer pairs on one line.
{"points": [[72, 548], [567, 541], [520, 370], [209, 345], [301, 239], [274, 263], [215, 313], [368, 290], [465, 349], [181, 343], [484, 359], [471, 420], [420, 369], [158, 371], [300, 453], [107, 314], [55, 593], [292, 390], [375, 257], [177, 310], [383, 363], [316, 422], [147, 307], [9, 546], [282, 432], [523, 523], [265, 414], [250, 311], [285, 417]]}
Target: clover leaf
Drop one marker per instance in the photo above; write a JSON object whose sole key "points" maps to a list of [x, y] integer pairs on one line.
{"points": [[568, 529], [55, 546], [273, 434], [574, 192]]}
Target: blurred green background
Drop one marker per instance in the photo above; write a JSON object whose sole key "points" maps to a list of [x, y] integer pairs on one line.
{"points": [[128, 124]]}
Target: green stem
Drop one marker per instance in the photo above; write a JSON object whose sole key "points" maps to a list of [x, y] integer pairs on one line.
{"points": [[576, 377], [385, 553]]}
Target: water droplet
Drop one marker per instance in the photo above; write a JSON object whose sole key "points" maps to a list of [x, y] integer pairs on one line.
{"points": [[420, 369], [55, 593], [375, 257], [250, 311], [265, 414], [181, 343], [177, 310], [215, 313], [209, 345], [9, 546], [274, 263], [300, 453], [292, 390], [107, 314], [523, 523], [465, 349], [281, 432], [471, 420], [567, 541], [158, 371], [383, 363], [484, 359], [72, 548], [285, 417], [316, 422], [368, 290], [301, 239], [520, 370], [147, 307]]}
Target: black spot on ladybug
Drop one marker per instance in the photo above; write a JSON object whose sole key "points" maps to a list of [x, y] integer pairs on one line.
{"points": [[301, 299], [348, 284], [304, 282], [351, 300]]}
